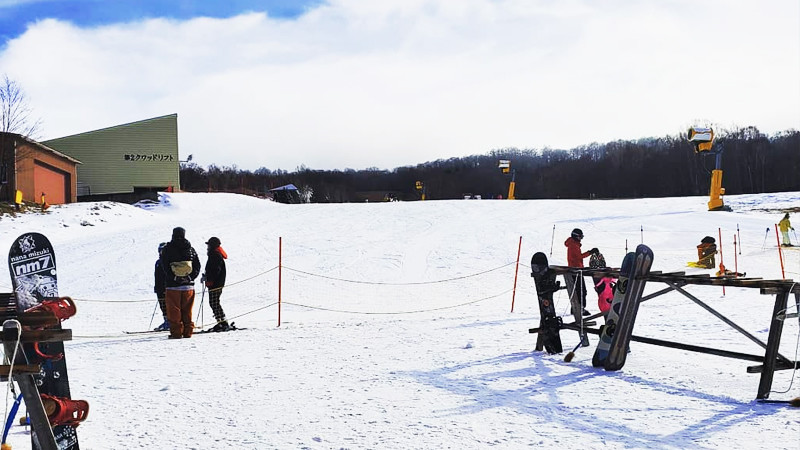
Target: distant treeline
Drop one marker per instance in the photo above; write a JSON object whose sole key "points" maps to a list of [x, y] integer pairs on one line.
{"points": [[654, 167]]}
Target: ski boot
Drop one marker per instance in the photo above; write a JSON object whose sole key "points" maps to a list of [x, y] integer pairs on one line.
{"points": [[163, 327], [221, 326], [63, 411]]}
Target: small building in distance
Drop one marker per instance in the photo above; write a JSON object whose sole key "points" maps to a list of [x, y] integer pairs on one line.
{"points": [[35, 169], [126, 162]]}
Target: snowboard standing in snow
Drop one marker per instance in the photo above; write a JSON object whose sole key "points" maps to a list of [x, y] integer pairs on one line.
{"points": [[612, 316], [618, 351], [546, 285], [32, 265]]}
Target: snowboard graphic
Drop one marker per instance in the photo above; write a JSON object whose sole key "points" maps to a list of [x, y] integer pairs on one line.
{"points": [[32, 265], [546, 285]]}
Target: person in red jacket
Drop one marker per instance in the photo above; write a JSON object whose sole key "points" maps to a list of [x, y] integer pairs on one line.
{"points": [[575, 259]]}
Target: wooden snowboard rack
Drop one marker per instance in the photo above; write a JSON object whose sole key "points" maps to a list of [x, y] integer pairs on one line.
{"points": [[771, 361], [24, 373]]}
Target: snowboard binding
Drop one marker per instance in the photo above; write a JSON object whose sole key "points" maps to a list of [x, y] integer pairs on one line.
{"points": [[64, 411], [62, 307]]}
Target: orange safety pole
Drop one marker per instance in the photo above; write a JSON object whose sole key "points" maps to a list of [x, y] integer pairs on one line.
{"points": [[516, 273], [280, 272], [780, 251], [721, 264]]}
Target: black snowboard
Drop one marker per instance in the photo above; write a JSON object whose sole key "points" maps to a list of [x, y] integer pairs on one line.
{"points": [[618, 350], [32, 265], [546, 285]]}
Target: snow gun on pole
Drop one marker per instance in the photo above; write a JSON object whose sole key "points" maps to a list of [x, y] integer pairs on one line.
{"points": [[703, 141]]}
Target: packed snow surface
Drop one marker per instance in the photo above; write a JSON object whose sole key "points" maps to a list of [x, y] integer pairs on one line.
{"points": [[396, 328]]}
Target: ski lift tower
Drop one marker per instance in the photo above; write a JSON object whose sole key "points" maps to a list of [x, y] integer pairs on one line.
{"points": [[703, 140], [505, 166]]}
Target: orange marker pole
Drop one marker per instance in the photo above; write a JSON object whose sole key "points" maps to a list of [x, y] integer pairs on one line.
{"points": [[780, 251], [280, 273], [516, 273], [721, 264]]}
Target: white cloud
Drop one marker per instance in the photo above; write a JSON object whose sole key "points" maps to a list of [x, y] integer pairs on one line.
{"points": [[358, 83]]}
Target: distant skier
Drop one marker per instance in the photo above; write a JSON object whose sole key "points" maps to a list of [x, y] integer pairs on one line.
{"points": [[181, 267], [575, 259], [784, 225], [159, 287], [705, 253], [215, 281]]}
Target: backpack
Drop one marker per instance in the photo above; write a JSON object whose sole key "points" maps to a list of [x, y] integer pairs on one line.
{"points": [[181, 268], [596, 260]]}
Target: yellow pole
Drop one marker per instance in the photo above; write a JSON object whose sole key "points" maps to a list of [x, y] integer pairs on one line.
{"points": [[716, 192], [511, 190]]}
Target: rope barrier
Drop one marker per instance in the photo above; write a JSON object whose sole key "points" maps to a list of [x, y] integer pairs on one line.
{"points": [[418, 283], [400, 312], [87, 300]]}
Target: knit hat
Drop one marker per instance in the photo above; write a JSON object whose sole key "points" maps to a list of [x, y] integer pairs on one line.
{"points": [[178, 233], [213, 242]]}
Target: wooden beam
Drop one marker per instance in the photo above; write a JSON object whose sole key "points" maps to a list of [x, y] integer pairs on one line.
{"points": [[20, 368]]}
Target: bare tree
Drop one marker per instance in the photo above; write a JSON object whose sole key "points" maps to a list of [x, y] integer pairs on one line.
{"points": [[15, 112]]}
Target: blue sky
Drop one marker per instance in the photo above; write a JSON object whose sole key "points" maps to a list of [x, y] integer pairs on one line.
{"points": [[342, 84], [15, 15]]}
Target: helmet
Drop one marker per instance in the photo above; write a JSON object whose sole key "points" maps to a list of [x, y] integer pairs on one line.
{"points": [[161, 246], [577, 233], [214, 242]]}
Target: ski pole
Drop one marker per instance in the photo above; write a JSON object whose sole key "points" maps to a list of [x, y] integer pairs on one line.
{"points": [[552, 239], [764, 245], [200, 312], [154, 314]]}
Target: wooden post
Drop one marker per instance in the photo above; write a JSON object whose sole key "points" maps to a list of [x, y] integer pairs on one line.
{"points": [[773, 342], [516, 273]]}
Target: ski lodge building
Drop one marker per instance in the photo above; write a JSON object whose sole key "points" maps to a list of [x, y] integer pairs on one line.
{"points": [[126, 162], [35, 170]]}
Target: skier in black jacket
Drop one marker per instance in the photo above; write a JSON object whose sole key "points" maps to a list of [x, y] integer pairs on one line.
{"points": [[181, 267], [159, 287], [215, 281]]}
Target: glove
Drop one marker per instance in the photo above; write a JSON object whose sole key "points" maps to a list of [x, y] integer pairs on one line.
{"points": [[594, 251], [209, 284], [203, 278]]}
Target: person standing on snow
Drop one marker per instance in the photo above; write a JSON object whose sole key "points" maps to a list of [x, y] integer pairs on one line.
{"points": [[575, 259], [784, 225], [181, 267], [215, 281], [159, 287]]}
